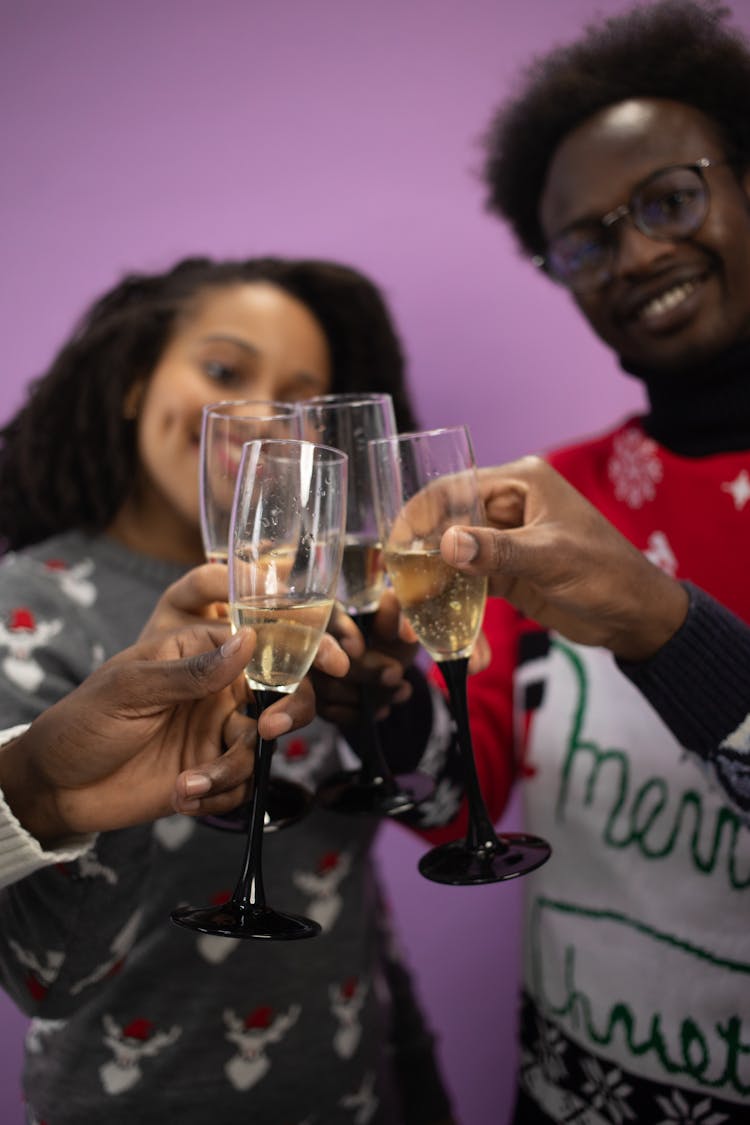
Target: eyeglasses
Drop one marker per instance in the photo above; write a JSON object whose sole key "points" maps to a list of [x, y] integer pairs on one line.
{"points": [[669, 204]]}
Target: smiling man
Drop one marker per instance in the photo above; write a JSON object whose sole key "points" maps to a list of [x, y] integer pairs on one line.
{"points": [[623, 166], [662, 275]]}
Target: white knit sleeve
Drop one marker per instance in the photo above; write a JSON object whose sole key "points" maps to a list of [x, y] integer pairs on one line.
{"points": [[21, 853]]}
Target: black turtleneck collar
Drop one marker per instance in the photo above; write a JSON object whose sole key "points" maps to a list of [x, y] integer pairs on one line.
{"points": [[703, 410]]}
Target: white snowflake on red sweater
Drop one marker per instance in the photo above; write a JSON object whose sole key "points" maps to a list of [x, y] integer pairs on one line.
{"points": [[739, 489], [634, 468]]}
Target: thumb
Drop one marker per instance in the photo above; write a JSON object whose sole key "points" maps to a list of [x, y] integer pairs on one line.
{"points": [[460, 546], [479, 550], [498, 555], [201, 674]]}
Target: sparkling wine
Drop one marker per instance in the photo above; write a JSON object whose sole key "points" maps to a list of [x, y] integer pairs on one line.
{"points": [[362, 576], [443, 605], [289, 629]]}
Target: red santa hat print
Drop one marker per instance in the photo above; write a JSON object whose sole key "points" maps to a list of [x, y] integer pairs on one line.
{"points": [[328, 862], [349, 988], [138, 1029], [22, 620], [260, 1019]]}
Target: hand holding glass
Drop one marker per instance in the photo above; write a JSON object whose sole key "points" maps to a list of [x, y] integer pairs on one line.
{"points": [[424, 483], [226, 427], [349, 422], [286, 544]]}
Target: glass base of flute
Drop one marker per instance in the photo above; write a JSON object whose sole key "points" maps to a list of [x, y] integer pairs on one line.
{"points": [[246, 914], [484, 856], [373, 788]]}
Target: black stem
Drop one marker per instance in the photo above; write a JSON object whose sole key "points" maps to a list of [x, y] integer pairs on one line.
{"points": [[249, 891], [480, 834], [375, 768]]}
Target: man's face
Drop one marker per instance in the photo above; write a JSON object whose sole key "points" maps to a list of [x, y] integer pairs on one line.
{"points": [[668, 304]]}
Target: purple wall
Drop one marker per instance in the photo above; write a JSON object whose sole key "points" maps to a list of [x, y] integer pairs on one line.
{"points": [[137, 132]]}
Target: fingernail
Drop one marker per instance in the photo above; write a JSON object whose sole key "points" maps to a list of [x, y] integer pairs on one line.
{"points": [[197, 784], [230, 647], [465, 547]]}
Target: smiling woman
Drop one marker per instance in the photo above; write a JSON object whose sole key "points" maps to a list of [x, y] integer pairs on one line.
{"points": [[163, 1022]]}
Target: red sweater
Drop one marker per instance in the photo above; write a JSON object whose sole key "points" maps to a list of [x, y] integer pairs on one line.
{"points": [[636, 928]]}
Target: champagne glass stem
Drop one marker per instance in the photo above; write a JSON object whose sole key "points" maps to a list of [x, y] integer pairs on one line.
{"points": [[373, 788], [249, 891], [375, 768], [480, 832], [285, 803]]}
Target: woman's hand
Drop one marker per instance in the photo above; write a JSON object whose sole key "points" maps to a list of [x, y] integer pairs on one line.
{"points": [[378, 663], [141, 736], [153, 730], [201, 596]]}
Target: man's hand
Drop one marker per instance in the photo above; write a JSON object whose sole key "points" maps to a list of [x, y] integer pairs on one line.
{"points": [[153, 730], [558, 560]]}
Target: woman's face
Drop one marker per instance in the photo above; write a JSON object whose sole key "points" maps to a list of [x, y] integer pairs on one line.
{"points": [[251, 341]]}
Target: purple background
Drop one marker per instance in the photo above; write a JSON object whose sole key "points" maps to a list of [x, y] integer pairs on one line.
{"points": [[135, 132]]}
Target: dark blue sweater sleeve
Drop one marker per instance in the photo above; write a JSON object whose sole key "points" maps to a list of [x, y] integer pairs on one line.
{"points": [[699, 683]]}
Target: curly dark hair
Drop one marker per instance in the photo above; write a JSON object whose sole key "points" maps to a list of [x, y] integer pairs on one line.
{"points": [[68, 457], [676, 49]]}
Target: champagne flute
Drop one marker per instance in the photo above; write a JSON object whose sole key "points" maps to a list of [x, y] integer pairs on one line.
{"points": [[348, 422], [225, 428], [286, 543], [424, 483]]}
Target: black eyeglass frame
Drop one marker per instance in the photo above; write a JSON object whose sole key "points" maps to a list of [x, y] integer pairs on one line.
{"points": [[542, 261]]}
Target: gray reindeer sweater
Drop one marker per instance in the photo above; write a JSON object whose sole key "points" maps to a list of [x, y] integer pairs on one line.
{"points": [[135, 1019]]}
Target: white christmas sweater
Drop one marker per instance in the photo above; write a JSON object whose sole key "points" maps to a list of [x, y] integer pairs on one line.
{"points": [[20, 853], [134, 1018], [636, 1000]]}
